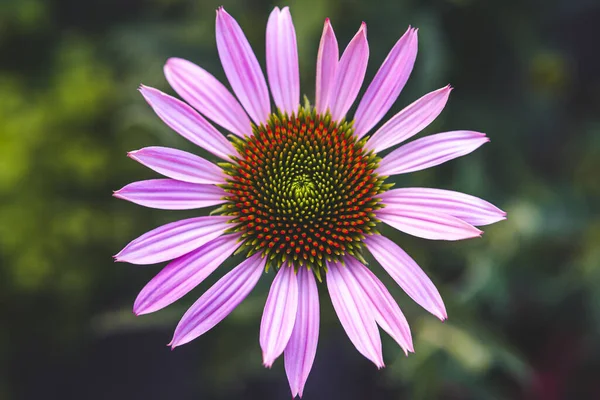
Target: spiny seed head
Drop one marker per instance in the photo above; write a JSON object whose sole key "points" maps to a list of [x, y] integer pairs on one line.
{"points": [[303, 190]]}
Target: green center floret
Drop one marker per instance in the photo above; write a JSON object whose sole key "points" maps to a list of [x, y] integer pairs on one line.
{"points": [[303, 190]]}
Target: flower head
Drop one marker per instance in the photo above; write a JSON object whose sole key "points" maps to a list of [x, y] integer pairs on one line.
{"points": [[300, 190]]}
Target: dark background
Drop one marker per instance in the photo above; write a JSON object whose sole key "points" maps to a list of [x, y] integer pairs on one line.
{"points": [[523, 301]]}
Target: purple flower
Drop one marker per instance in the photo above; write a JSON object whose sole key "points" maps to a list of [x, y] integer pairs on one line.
{"points": [[300, 190]]}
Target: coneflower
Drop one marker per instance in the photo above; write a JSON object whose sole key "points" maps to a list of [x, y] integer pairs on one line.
{"points": [[300, 191]]}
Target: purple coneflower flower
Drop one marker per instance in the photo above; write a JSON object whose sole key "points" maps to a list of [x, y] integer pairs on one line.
{"points": [[301, 191]]}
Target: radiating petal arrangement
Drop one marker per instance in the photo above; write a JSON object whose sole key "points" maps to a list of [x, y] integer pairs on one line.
{"points": [[299, 190]]}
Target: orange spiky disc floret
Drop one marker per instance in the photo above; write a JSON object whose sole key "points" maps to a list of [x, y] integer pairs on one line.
{"points": [[303, 190]]}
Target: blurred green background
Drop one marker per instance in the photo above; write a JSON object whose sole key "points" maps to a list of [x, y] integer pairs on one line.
{"points": [[523, 301]]}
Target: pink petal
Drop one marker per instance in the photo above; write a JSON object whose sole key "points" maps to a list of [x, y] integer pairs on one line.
{"points": [[410, 121], [282, 61], [428, 225], [185, 273], [430, 151], [386, 310], [169, 194], [349, 75], [279, 315], [188, 123], [354, 311], [407, 274], [470, 209], [173, 240], [207, 95], [387, 83], [219, 301], [327, 61], [179, 165], [302, 347], [242, 68]]}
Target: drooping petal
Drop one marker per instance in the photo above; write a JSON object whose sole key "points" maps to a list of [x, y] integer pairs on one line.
{"points": [[219, 301], [279, 315], [183, 274], [327, 61], [407, 274], [188, 123], [470, 209], [173, 240], [242, 68], [387, 312], [410, 121], [428, 225], [206, 94], [349, 74], [354, 311], [387, 83], [302, 347], [169, 194], [282, 60], [179, 165], [430, 151]]}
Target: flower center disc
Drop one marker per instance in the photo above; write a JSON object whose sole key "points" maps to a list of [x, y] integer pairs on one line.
{"points": [[303, 190]]}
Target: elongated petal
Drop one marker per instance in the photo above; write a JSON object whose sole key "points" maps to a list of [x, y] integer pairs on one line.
{"points": [[428, 225], [430, 151], [407, 274], [179, 165], [387, 312], [207, 95], [188, 123], [410, 121], [349, 75], [242, 68], [470, 209], [173, 240], [282, 61], [327, 61], [169, 194], [219, 301], [279, 315], [183, 274], [387, 83], [302, 347], [354, 311]]}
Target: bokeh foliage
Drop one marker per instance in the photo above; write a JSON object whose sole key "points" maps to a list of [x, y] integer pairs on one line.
{"points": [[523, 301]]}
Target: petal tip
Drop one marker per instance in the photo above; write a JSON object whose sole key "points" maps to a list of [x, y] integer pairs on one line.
{"points": [[442, 314], [171, 63], [221, 12], [133, 155], [173, 343]]}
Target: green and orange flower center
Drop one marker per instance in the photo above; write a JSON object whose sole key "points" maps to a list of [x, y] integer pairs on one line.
{"points": [[303, 190]]}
